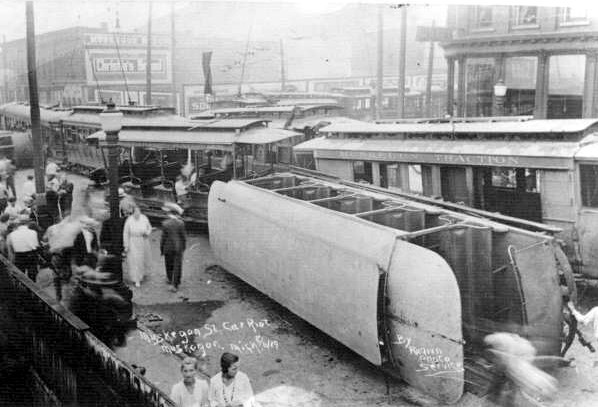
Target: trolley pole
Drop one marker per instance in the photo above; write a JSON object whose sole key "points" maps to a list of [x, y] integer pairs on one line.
{"points": [[282, 74], [402, 55], [36, 134], [172, 48], [148, 64], [380, 73], [5, 71], [428, 103]]}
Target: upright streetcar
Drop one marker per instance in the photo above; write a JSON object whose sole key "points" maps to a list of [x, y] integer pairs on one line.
{"points": [[537, 170]]}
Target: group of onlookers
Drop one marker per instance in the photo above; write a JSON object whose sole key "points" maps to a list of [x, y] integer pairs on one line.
{"points": [[229, 387]]}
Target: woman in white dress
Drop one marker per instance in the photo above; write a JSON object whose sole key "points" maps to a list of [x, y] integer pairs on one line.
{"points": [[231, 387], [137, 247]]}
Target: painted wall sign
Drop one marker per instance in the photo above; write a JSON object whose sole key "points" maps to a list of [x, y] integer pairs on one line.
{"points": [[451, 159], [106, 67], [125, 40]]}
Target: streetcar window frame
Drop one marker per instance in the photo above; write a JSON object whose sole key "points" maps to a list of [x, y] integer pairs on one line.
{"points": [[588, 175]]}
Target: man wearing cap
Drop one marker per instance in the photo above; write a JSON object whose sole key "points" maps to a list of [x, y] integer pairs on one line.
{"points": [[172, 244], [23, 244]]}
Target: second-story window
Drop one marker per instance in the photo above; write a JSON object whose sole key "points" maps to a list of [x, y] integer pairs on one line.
{"points": [[526, 15], [483, 17], [574, 15]]}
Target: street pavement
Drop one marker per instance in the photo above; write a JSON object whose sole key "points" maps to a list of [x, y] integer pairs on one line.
{"points": [[289, 362]]}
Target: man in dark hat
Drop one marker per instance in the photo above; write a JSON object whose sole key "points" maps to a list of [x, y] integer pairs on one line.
{"points": [[172, 244]]}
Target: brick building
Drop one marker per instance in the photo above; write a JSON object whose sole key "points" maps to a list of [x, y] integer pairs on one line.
{"points": [[546, 57], [82, 64]]}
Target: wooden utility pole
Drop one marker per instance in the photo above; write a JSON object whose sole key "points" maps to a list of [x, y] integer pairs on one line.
{"points": [[172, 48], [148, 65], [428, 102], [282, 75], [402, 54], [36, 131], [4, 69], [380, 73]]}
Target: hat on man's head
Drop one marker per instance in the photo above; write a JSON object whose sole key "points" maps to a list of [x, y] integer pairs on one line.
{"points": [[171, 207], [89, 222], [121, 193], [23, 219], [93, 277]]}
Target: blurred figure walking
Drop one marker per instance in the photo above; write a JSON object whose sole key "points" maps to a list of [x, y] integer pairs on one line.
{"points": [[172, 244]]}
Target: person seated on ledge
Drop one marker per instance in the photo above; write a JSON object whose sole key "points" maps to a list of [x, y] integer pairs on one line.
{"points": [[191, 391], [230, 387]]}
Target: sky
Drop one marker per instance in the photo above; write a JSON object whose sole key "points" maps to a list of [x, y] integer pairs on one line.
{"points": [[52, 15]]}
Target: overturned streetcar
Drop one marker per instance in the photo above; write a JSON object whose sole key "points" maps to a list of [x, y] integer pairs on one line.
{"points": [[411, 287]]}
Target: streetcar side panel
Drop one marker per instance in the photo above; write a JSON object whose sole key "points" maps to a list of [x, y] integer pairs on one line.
{"points": [[293, 254]]}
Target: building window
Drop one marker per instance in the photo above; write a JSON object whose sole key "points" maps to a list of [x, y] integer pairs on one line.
{"points": [[362, 172], [482, 17], [574, 15], [520, 78], [526, 15], [588, 175], [479, 82], [565, 86]]}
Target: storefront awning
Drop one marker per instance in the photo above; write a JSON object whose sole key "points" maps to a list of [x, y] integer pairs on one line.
{"points": [[527, 154]]}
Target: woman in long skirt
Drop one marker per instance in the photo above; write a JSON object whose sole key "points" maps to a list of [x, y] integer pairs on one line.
{"points": [[137, 247]]}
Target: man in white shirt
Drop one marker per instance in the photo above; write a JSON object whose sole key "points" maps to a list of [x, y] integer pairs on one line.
{"points": [[13, 209], [51, 169], [191, 391], [28, 188], [23, 244], [591, 318], [180, 187]]}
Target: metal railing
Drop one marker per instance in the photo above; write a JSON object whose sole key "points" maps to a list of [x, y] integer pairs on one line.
{"points": [[75, 365]]}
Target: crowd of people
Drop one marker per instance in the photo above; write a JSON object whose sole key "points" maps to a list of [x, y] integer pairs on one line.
{"points": [[228, 388], [88, 256]]}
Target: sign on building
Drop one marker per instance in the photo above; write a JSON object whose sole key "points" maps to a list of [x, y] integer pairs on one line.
{"points": [[106, 66]]}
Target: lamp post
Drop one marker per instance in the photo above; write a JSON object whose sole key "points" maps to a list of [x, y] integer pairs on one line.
{"points": [[500, 91], [111, 120]]}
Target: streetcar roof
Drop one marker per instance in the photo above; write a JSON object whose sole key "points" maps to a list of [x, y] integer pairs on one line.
{"points": [[23, 111], [495, 127], [93, 120], [196, 139], [267, 109]]}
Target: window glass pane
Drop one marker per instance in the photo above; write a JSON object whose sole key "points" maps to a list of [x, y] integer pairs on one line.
{"points": [[567, 74], [479, 86], [483, 16], [526, 15], [502, 177], [415, 179], [565, 86], [589, 185], [520, 79], [575, 14]]}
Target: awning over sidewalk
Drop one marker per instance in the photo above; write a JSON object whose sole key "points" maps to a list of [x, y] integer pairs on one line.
{"points": [[528, 154]]}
